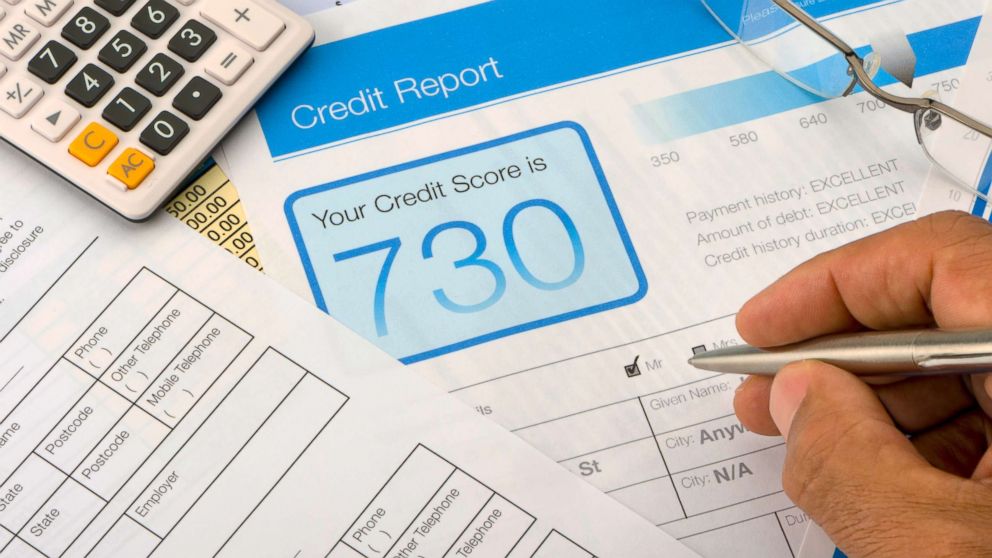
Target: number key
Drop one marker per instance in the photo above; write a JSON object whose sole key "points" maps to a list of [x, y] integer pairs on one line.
{"points": [[164, 133], [160, 75], [122, 51], [86, 28], [89, 85], [127, 109], [52, 62], [116, 7], [155, 17], [192, 41]]}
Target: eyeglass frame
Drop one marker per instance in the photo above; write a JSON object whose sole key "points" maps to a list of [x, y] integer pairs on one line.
{"points": [[917, 106]]}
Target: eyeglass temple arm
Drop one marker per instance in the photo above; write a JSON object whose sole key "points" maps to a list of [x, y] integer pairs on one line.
{"points": [[800, 15]]}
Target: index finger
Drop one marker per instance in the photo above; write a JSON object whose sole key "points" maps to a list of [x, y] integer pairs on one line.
{"points": [[934, 271]]}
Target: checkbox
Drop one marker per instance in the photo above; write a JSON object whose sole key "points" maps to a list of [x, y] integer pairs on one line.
{"points": [[698, 349], [633, 370]]}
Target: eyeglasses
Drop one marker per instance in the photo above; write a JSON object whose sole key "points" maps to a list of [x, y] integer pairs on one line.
{"points": [[787, 38]]}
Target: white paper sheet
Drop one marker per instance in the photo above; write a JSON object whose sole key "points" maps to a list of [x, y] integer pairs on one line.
{"points": [[159, 398], [683, 183]]}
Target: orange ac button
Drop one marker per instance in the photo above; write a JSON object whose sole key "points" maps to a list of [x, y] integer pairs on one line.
{"points": [[132, 168], [93, 145]]}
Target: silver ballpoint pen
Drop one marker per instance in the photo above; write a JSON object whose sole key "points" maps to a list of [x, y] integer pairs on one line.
{"points": [[878, 353]]}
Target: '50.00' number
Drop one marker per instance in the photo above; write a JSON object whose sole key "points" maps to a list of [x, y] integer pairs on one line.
{"points": [[475, 259]]}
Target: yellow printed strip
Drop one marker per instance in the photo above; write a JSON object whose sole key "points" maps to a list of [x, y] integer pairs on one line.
{"points": [[212, 207]]}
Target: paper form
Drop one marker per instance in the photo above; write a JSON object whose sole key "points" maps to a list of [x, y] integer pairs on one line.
{"points": [[546, 208], [159, 399]]}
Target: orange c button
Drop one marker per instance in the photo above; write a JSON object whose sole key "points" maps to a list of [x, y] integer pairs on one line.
{"points": [[93, 145], [132, 168]]}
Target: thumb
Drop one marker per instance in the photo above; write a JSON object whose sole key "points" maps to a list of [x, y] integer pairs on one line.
{"points": [[852, 470]]}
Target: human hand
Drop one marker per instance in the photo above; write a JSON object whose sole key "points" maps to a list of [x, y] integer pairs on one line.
{"points": [[849, 464]]}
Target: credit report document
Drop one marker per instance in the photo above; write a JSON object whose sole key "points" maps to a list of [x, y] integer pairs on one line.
{"points": [[158, 398], [547, 207]]}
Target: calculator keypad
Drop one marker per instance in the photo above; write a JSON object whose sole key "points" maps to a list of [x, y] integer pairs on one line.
{"points": [[117, 86]]}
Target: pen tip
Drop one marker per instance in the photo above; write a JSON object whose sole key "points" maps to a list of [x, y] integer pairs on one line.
{"points": [[692, 360]]}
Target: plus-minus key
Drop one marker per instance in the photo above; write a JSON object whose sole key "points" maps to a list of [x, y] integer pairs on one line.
{"points": [[246, 20], [18, 95]]}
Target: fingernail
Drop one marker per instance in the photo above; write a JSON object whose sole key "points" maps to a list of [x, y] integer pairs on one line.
{"points": [[988, 385], [788, 391]]}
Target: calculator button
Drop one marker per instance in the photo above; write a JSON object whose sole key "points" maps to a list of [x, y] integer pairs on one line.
{"points": [[160, 75], [164, 133], [54, 119], [127, 109], [228, 64], [93, 145], [47, 12], [155, 17], [115, 7], [16, 37], [122, 51], [85, 28], [132, 168], [89, 85], [197, 98], [246, 20], [18, 95], [52, 62], [192, 41]]}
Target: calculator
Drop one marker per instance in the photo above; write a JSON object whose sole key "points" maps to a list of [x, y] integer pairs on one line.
{"points": [[125, 98]]}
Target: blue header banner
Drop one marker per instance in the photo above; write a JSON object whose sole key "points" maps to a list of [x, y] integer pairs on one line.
{"points": [[470, 57]]}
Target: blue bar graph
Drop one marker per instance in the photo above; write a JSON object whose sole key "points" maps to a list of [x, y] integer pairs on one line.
{"points": [[767, 94]]}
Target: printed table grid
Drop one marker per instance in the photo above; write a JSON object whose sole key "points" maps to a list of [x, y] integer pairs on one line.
{"points": [[80, 383]]}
